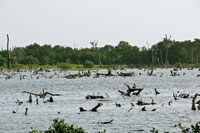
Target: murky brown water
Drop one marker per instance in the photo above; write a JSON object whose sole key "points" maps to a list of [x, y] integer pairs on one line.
{"points": [[73, 96]]}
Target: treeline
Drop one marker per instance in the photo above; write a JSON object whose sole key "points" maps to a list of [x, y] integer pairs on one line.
{"points": [[165, 52]]}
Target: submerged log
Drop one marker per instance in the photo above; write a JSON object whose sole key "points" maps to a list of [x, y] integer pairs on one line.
{"points": [[107, 74], [144, 109], [19, 102], [183, 95], [133, 90], [141, 103], [94, 97], [94, 109], [82, 109], [107, 122], [125, 74], [156, 91]]}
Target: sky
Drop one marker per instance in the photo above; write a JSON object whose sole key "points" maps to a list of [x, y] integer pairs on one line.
{"points": [[75, 23]]}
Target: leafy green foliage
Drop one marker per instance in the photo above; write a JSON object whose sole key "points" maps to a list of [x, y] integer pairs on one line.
{"points": [[153, 131], [59, 126], [65, 66], [179, 53], [192, 129], [88, 64], [2, 61]]}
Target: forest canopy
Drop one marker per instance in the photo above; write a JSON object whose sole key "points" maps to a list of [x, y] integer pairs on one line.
{"points": [[165, 52]]}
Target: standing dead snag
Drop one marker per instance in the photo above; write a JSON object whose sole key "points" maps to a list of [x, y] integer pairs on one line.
{"points": [[193, 102], [151, 72], [8, 51], [26, 111], [30, 99]]}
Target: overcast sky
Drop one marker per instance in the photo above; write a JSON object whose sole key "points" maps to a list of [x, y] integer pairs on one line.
{"points": [[77, 22]]}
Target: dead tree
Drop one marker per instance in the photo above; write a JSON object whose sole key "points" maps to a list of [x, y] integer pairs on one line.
{"points": [[94, 45], [166, 44], [8, 51]]}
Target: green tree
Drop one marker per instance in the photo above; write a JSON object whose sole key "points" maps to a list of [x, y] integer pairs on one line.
{"points": [[88, 64]]}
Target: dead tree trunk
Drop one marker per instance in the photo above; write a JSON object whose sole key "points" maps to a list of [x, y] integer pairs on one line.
{"points": [[193, 102], [8, 51], [166, 44]]}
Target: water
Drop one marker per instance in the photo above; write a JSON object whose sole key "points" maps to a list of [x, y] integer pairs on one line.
{"points": [[73, 92]]}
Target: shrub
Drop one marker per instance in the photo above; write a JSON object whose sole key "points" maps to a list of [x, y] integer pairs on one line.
{"points": [[88, 64], [64, 66], [59, 126]]}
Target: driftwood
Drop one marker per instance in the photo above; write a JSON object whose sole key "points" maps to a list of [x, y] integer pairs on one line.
{"points": [[140, 103], [118, 105], [175, 96], [144, 109], [49, 100], [107, 122], [134, 91], [125, 74], [183, 95], [174, 73], [107, 74], [94, 97], [19, 102], [94, 109]]}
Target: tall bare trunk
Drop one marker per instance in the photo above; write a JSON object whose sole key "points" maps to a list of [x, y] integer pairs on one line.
{"points": [[8, 51]]}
